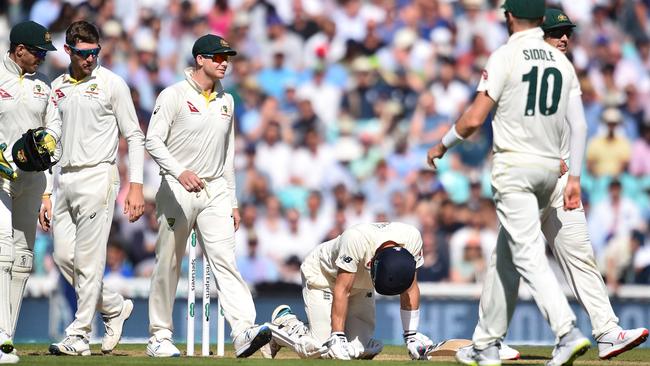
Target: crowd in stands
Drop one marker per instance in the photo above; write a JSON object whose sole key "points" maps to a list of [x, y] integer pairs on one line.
{"points": [[337, 102]]}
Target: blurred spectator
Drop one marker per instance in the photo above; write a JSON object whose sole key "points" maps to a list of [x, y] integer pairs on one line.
{"points": [[450, 95], [471, 265], [427, 125], [358, 211], [436, 260], [312, 163], [609, 155], [116, 261], [318, 218], [255, 268], [640, 162], [381, 186], [273, 156], [612, 219]]}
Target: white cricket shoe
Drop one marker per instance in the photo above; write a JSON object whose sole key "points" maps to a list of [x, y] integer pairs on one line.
{"points": [[249, 341], [470, 356], [6, 343], [617, 341], [507, 353], [8, 358], [286, 320], [162, 347], [73, 345], [571, 346], [114, 326]]}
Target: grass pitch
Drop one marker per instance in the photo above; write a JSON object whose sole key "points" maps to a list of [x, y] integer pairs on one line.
{"points": [[134, 354]]}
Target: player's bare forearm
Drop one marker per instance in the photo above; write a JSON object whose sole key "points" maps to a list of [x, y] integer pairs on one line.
{"points": [[342, 288], [134, 202], [410, 299], [475, 115]]}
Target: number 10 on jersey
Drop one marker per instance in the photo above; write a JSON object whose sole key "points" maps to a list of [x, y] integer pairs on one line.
{"points": [[544, 108]]}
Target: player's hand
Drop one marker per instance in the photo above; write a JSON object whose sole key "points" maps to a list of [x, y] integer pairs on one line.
{"points": [[45, 213], [337, 347], [134, 202], [434, 154], [236, 218], [418, 345], [563, 167], [191, 182], [572, 193]]}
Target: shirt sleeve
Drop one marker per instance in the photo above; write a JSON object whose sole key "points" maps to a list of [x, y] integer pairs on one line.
{"points": [[494, 76], [351, 251], [229, 166], [161, 121], [127, 121]]}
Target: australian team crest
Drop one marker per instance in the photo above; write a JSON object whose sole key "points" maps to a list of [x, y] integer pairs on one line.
{"points": [[92, 89], [562, 18], [48, 37], [38, 91], [170, 222], [224, 110], [224, 43]]}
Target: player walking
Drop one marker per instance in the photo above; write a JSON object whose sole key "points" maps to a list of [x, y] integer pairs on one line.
{"points": [[339, 280], [95, 106], [191, 136], [566, 234], [534, 87], [24, 94]]}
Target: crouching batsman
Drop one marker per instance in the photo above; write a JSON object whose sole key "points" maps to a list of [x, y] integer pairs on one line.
{"points": [[340, 277]]}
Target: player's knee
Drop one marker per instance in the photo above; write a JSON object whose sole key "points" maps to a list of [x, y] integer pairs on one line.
{"points": [[6, 251], [23, 262], [61, 255]]}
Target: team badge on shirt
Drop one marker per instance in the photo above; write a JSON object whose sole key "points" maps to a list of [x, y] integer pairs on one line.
{"points": [[170, 222], [192, 108], [224, 110], [92, 90], [59, 94]]}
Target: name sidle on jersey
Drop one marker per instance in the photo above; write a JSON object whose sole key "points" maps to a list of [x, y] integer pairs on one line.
{"points": [[538, 54]]}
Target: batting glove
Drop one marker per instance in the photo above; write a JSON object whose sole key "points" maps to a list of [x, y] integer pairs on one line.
{"points": [[418, 345], [337, 347]]}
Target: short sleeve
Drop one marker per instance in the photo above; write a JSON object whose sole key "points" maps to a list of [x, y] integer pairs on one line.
{"points": [[575, 90], [351, 251], [494, 76]]}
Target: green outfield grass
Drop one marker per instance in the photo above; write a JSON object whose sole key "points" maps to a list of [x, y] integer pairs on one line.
{"points": [[134, 354]]}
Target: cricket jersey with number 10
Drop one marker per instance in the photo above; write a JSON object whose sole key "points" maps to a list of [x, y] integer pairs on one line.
{"points": [[531, 82]]}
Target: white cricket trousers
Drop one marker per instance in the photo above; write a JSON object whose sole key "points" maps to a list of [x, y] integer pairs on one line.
{"points": [[81, 223], [522, 186], [209, 214], [566, 234], [20, 202], [359, 323]]}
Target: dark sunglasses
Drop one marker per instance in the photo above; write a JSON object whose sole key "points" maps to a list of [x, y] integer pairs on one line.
{"points": [[39, 53], [94, 52], [559, 33], [217, 57]]}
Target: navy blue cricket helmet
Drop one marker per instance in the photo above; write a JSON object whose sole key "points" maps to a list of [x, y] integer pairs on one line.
{"points": [[392, 271]]}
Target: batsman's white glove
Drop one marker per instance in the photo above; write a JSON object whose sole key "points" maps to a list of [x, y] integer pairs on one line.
{"points": [[418, 345], [337, 347]]}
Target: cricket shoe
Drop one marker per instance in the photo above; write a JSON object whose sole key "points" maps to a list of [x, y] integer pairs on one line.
{"points": [[6, 343], [72, 345], [114, 327], [472, 357], [617, 341], [162, 347], [250, 340], [507, 353], [571, 346], [8, 358]]}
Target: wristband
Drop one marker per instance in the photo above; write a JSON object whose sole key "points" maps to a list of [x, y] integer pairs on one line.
{"points": [[46, 195], [451, 138], [410, 320]]}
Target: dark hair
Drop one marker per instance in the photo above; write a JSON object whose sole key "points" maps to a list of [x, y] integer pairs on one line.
{"points": [[12, 47], [81, 31]]}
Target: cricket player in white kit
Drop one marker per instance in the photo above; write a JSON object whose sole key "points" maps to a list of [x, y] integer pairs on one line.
{"points": [[534, 88], [95, 107], [24, 94], [191, 136], [339, 280], [566, 234]]}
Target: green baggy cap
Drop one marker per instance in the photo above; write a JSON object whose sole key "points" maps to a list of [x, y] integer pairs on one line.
{"points": [[525, 9], [555, 18], [31, 34], [210, 45]]}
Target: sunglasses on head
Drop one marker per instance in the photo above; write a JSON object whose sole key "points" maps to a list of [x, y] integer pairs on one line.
{"points": [[94, 52], [559, 33], [217, 57], [39, 53]]}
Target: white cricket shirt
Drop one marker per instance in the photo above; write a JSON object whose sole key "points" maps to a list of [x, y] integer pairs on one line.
{"points": [[93, 111], [531, 82], [190, 130], [353, 251]]}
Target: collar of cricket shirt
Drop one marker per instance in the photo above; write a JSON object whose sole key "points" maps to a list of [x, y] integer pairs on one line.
{"points": [[218, 88], [69, 79], [13, 67], [536, 32]]}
